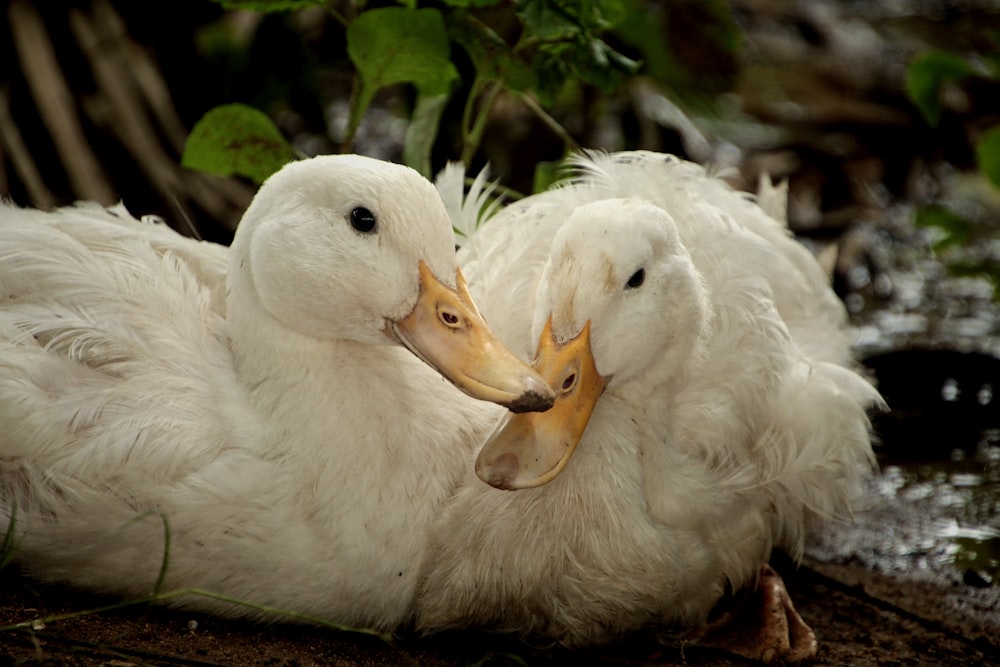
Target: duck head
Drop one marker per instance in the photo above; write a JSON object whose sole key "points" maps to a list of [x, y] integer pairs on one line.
{"points": [[344, 247], [620, 304]]}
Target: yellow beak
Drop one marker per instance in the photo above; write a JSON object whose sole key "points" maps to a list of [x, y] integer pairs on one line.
{"points": [[446, 331], [528, 450]]}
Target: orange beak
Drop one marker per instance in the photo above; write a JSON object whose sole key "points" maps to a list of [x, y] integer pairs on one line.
{"points": [[529, 450], [446, 331]]}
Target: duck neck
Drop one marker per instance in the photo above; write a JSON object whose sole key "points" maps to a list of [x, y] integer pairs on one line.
{"points": [[360, 447], [344, 417]]}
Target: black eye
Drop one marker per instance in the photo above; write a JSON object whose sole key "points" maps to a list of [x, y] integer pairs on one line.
{"points": [[636, 280], [363, 220]]}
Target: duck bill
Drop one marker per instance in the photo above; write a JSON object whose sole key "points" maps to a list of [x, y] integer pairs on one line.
{"points": [[446, 331], [529, 450]]}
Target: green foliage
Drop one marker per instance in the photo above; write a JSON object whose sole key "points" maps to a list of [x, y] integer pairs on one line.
{"points": [[422, 131], [493, 59], [546, 175], [927, 75], [471, 3], [399, 45], [958, 235], [956, 230], [988, 155], [563, 40], [237, 139], [539, 50]]}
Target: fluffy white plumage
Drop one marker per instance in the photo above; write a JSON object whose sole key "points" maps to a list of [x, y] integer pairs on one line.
{"points": [[466, 208], [730, 420], [304, 464], [256, 398]]}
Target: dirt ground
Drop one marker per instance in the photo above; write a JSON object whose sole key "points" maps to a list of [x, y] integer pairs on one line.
{"points": [[860, 618]]}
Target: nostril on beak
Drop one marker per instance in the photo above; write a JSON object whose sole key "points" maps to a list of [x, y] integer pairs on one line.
{"points": [[449, 318]]}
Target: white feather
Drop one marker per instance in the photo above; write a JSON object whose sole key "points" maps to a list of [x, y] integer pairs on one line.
{"points": [[298, 456], [730, 424], [467, 210]]}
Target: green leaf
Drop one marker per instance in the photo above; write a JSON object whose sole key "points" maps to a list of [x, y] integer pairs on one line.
{"points": [[547, 174], [927, 74], [957, 229], [491, 56], [599, 65], [565, 40], [398, 45], [988, 155], [237, 139], [547, 20], [558, 19], [613, 12], [270, 6], [422, 131], [472, 3]]}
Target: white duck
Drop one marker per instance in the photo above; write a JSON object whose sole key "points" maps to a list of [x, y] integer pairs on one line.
{"points": [[695, 349], [259, 399]]}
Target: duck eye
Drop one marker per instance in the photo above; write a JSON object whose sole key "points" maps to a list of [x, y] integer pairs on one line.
{"points": [[636, 280], [363, 220]]}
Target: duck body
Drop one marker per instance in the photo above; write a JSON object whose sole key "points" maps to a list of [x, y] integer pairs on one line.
{"points": [[244, 417], [581, 560], [728, 422]]}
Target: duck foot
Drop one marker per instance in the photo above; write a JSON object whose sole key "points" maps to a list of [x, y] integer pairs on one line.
{"points": [[762, 624]]}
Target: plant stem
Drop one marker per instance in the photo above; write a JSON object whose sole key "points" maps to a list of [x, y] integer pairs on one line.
{"points": [[472, 137], [552, 123], [470, 105], [357, 108], [337, 16]]}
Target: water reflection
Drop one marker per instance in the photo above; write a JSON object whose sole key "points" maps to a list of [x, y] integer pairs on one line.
{"points": [[932, 340], [938, 518]]}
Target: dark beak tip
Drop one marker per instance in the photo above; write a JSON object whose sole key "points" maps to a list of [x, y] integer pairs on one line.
{"points": [[531, 401]]}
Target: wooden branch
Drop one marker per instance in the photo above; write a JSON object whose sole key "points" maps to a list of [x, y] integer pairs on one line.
{"points": [[55, 103], [109, 50], [126, 120], [10, 138], [144, 72]]}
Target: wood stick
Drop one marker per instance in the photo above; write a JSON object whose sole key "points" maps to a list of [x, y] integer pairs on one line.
{"points": [[126, 119], [145, 74], [10, 138], [55, 103], [105, 45]]}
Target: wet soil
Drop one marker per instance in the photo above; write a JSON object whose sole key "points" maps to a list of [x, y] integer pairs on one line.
{"points": [[860, 618]]}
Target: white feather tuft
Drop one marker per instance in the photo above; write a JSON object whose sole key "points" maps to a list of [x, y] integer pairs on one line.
{"points": [[467, 210]]}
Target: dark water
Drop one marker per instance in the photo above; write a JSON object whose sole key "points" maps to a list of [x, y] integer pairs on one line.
{"points": [[935, 520], [933, 341]]}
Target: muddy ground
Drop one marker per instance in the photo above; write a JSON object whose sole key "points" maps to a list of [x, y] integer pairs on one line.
{"points": [[860, 618]]}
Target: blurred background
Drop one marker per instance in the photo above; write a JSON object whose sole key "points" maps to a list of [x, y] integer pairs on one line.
{"points": [[882, 115]]}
